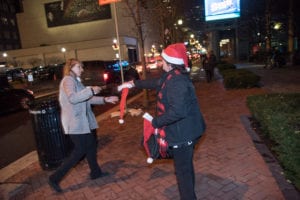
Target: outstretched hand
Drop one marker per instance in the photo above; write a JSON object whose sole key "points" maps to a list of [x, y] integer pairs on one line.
{"points": [[111, 99], [128, 84]]}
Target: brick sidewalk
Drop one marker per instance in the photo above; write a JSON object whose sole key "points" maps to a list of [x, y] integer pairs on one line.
{"points": [[227, 164]]}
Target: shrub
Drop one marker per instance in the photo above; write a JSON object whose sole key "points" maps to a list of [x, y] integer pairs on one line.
{"points": [[223, 66], [239, 78], [279, 117]]}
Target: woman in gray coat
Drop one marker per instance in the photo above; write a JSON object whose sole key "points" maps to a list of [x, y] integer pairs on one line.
{"points": [[78, 120]]}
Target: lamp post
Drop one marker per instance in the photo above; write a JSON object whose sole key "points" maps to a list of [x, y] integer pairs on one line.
{"points": [[63, 50], [116, 47], [180, 22], [4, 55], [178, 25], [153, 50], [192, 39]]}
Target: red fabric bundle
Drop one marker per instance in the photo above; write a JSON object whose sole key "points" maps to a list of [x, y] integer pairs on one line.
{"points": [[155, 145]]}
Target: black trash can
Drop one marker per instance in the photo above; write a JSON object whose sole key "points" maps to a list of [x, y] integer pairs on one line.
{"points": [[52, 144]]}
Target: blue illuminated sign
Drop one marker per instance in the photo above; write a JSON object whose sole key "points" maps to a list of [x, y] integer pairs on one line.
{"points": [[221, 9]]}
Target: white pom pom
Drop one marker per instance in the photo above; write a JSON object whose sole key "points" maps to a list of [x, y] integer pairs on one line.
{"points": [[121, 121], [149, 160]]}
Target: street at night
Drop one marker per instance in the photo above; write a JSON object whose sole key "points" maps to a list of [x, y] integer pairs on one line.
{"points": [[219, 121]]}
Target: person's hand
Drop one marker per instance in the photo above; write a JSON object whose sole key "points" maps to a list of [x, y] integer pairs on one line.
{"points": [[148, 117], [128, 84], [111, 99]]}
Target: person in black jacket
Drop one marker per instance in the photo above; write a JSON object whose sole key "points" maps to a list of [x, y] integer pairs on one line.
{"points": [[209, 64], [178, 114]]}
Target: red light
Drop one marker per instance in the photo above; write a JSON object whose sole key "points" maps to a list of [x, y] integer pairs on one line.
{"points": [[105, 76]]}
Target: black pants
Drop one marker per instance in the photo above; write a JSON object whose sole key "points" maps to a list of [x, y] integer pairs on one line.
{"points": [[84, 145], [209, 73], [184, 170]]}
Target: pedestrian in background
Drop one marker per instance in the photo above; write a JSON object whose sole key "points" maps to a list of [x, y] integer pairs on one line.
{"points": [[78, 121], [209, 64], [178, 114]]}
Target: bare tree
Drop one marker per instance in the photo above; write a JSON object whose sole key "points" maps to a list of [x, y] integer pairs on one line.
{"points": [[135, 8], [166, 13], [162, 15]]}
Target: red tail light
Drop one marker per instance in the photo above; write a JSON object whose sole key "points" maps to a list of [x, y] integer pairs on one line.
{"points": [[105, 76]]}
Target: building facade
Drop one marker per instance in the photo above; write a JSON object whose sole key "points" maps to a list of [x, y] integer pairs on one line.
{"points": [[9, 34], [52, 31]]}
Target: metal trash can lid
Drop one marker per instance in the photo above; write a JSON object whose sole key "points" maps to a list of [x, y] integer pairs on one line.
{"points": [[44, 106]]}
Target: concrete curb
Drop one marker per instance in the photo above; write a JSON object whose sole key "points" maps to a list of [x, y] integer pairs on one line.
{"points": [[116, 108], [288, 190], [18, 166], [7, 188]]}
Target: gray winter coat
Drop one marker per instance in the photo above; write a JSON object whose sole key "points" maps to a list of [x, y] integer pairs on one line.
{"points": [[75, 100]]}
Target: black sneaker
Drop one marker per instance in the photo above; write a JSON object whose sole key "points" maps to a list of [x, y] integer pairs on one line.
{"points": [[54, 185], [102, 174]]}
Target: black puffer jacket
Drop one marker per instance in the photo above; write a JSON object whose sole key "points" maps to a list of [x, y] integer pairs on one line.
{"points": [[182, 119]]}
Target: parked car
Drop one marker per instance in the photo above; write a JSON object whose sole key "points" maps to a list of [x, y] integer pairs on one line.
{"points": [[41, 72], [15, 74], [14, 99], [49, 72], [112, 72]]}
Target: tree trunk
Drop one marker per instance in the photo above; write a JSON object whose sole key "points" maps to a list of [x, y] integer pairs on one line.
{"points": [[141, 39], [291, 30], [268, 31]]}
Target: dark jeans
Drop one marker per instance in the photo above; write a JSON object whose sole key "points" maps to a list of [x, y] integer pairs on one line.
{"points": [[184, 170], [84, 145]]}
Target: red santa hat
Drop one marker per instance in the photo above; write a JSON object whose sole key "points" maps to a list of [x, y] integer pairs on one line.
{"points": [[123, 104], [176, 54]]}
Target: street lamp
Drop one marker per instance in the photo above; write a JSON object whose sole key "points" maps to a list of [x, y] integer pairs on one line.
{"points": [[178, 29], [192, 39], [153, 49], [277, 26], [115, 45], [5, 57], [180, 22], [63, 50]]}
